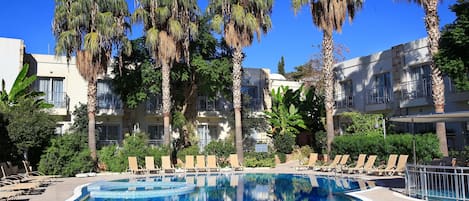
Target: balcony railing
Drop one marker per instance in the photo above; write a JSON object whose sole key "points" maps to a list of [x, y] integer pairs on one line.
{"points": [[416, 89], [343, 100], [153, 107], [156, 142], [109, 102], [58, 99], [379, 95], [218, 104]]}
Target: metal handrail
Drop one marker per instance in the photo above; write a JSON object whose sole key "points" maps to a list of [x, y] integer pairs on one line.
{"points": [[416, 89], [437, 182]]}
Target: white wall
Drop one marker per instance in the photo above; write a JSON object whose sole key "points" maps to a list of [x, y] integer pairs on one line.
{"points": [[11, 60]]}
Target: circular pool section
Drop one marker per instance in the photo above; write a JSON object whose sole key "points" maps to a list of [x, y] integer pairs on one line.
{"points": [[225, 186]]}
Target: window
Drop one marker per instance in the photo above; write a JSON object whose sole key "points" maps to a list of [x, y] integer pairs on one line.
{"points": [[206, 104], [154, 104], [206, 134], [420, 84], [344, 94], [53, 89], [251, 97], [106, 97], [155, 133], [381, 90], [108, 133]]}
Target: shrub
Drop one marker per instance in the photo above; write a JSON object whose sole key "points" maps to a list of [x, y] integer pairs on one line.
{"points": [[427, 146], [192, 150], [282, 157], [157, 152], [67, 155], [284, 143], [259, 159], [109, 155], [221, 149]]}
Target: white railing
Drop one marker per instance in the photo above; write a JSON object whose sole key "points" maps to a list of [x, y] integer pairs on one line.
{"points": [[437, 182], [379, 95], [416, 89], [343, 100]]}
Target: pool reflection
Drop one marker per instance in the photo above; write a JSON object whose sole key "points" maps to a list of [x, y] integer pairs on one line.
{"points": [[238, 187]]}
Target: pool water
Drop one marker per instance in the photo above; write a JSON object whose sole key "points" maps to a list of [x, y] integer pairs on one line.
{"points": [[238, 187]]}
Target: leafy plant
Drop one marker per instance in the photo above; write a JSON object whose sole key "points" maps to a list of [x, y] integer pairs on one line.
{"points": [[221, 149], [192, 150], [284, 119], [259, 159], [282, 157], [67, 155], [362, 124], [284, 143], [80, 122]]}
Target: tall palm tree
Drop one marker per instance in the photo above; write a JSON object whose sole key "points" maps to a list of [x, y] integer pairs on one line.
{"points": [[329, 16], [240, 20], [91, 30], [432, 25], [168, 26]]}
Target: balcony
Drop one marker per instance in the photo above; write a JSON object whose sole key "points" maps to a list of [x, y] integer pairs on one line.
{"points": [[109, 104], [156, 142], [153, 107], [254, 104], [416, 89], [343, 100], [379, 95]]}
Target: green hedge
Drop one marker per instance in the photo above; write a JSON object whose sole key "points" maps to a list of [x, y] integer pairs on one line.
{"points": [[67, 155], [221, 149], [192, 150], [427, 146], [259, 159]]}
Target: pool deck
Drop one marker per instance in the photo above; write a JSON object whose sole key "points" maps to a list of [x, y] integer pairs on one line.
{"points": [[388, 188]]}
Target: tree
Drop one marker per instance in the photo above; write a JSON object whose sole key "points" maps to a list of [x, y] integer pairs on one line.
{"points": [[80, 122], [432, 25], [240, 20], [281, 66], [91, 30], [329, 16], [452, 56], [168, 27], [29, 127]]}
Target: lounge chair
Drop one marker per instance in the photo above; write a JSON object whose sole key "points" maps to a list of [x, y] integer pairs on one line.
{"points": [[366, 168], [189, 166], [400, 167], [7, 195], [36, 175], [200, 165], [234, 163], [166, 165], [12, 186], [389, 167], [212, 163], [133, 165], [360, 163], [342, 163], [150, 165], [332, 165], [313, 157]]}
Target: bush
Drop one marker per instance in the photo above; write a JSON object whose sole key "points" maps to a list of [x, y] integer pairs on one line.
{"points": [[259, 159], [157, 152], [282, 157], [427, 146], [67, 156], [284, 143], [109, 156], [192, 150], [221, 149]]}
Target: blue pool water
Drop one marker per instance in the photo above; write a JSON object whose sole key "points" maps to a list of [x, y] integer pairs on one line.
{"points": [[226, 187]]}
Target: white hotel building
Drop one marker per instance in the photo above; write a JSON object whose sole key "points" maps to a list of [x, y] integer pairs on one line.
{"points": [[65, 88], [397, 82]]}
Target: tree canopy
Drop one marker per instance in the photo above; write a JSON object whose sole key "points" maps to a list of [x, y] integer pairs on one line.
{"points": [[452, 57]]}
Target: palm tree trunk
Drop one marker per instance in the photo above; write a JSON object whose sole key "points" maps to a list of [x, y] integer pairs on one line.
{"points": [[237, 60], [92, 90], [328, 84], [166, 102], [432, 24]]}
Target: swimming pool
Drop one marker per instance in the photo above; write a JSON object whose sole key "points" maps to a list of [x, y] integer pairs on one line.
{"points": [[228, 186]]}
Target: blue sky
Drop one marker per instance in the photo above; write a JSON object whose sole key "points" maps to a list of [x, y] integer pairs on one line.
{"points": [[380, 25]]}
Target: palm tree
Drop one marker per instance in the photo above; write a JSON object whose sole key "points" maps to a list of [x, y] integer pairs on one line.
{"points": [[168, 26], [432, 25], [329, 16], [91, 30], [240, 20]]}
